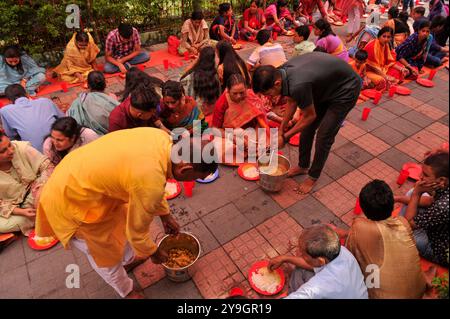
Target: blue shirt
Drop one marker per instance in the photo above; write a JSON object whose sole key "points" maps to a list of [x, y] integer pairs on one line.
{"points": [[29, 120]]}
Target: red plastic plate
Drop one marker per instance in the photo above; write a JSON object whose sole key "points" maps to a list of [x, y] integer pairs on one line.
{"points": [[242, 169], [370, 93], [35, 246], [178, 189], [401, 90], [295, 140], [261, 264], [425, 82], [415, 170]]}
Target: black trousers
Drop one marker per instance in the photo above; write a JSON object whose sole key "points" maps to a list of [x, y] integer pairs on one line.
{"points": [[327, 124]]}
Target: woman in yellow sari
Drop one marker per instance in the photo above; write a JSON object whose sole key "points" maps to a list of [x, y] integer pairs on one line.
{"points": [[382, 68], [238, 108], [79, 58]]}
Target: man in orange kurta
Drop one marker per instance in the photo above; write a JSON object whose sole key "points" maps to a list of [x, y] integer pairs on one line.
{"points": [[103, 196]]}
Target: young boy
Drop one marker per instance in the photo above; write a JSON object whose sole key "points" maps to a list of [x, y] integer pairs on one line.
{"points": [[324, 268], [359, 66], [428, 215], [301, 39], [418, 14], [268, 53]]}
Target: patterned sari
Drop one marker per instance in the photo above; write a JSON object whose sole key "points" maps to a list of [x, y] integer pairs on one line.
{"points": [[247, 114], [172, 121], [382, 59]]}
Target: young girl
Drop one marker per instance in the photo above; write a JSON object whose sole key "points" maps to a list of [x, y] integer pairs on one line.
{"points": [[224, 26], [201, 81], [230, 63], [414, 51], [328, 40]]}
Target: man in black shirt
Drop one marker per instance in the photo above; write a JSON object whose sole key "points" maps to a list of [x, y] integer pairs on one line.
{"points": [[325, 88]]}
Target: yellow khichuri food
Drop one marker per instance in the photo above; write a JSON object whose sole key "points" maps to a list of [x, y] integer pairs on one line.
{"points": [[42, 241], [179, 258]]}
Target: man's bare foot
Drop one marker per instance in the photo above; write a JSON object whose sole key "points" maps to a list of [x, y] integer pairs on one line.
{"points": [[135, 294], [306, 186], [297, 171]]}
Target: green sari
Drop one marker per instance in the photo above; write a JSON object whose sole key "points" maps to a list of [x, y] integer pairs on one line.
{"points": [[92, 109]]}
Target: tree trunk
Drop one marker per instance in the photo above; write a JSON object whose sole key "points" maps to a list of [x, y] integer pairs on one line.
{"points": [[90, 8], [197, 5]]}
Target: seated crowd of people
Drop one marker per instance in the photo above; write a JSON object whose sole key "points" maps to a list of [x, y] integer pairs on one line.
{"points": [[216, 89]]}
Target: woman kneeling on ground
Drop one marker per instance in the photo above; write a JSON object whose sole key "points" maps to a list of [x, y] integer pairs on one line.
{"points": [[238, 108]]}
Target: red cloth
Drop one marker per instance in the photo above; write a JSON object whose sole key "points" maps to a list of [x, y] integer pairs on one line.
{"points": [[219, 111], [308, 7], [120, 118]]}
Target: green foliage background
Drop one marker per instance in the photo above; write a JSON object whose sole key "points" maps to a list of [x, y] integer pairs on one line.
{"points": [[39, 27]]}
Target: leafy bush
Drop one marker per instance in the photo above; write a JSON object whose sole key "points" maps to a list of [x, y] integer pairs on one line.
{"points": [[39, 25], [441, 285]]}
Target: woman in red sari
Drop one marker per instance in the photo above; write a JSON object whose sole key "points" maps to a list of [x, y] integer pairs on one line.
{"points": [[253, 20], [382, 68], [238, 108]]}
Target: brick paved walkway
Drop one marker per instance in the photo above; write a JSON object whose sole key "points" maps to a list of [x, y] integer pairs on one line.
{"points": [[236, 222]]}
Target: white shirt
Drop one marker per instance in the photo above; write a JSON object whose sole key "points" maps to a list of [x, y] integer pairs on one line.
{"points": [[268, 54], [340, 279]]}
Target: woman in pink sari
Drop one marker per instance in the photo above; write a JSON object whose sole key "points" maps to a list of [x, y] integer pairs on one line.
{"points": [[329, 40]]}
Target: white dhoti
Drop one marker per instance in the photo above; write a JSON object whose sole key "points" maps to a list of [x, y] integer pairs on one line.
{"points": [[115, 276]]}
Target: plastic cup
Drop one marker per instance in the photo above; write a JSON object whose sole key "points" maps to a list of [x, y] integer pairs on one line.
{"points": [[357, 210], [186, 55], [274, 36], [166, 64], [404, 174], [64, 87], [365, 113], [236, 292], [392, 91], [377, 98], [188, 186], [432, 74]]}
